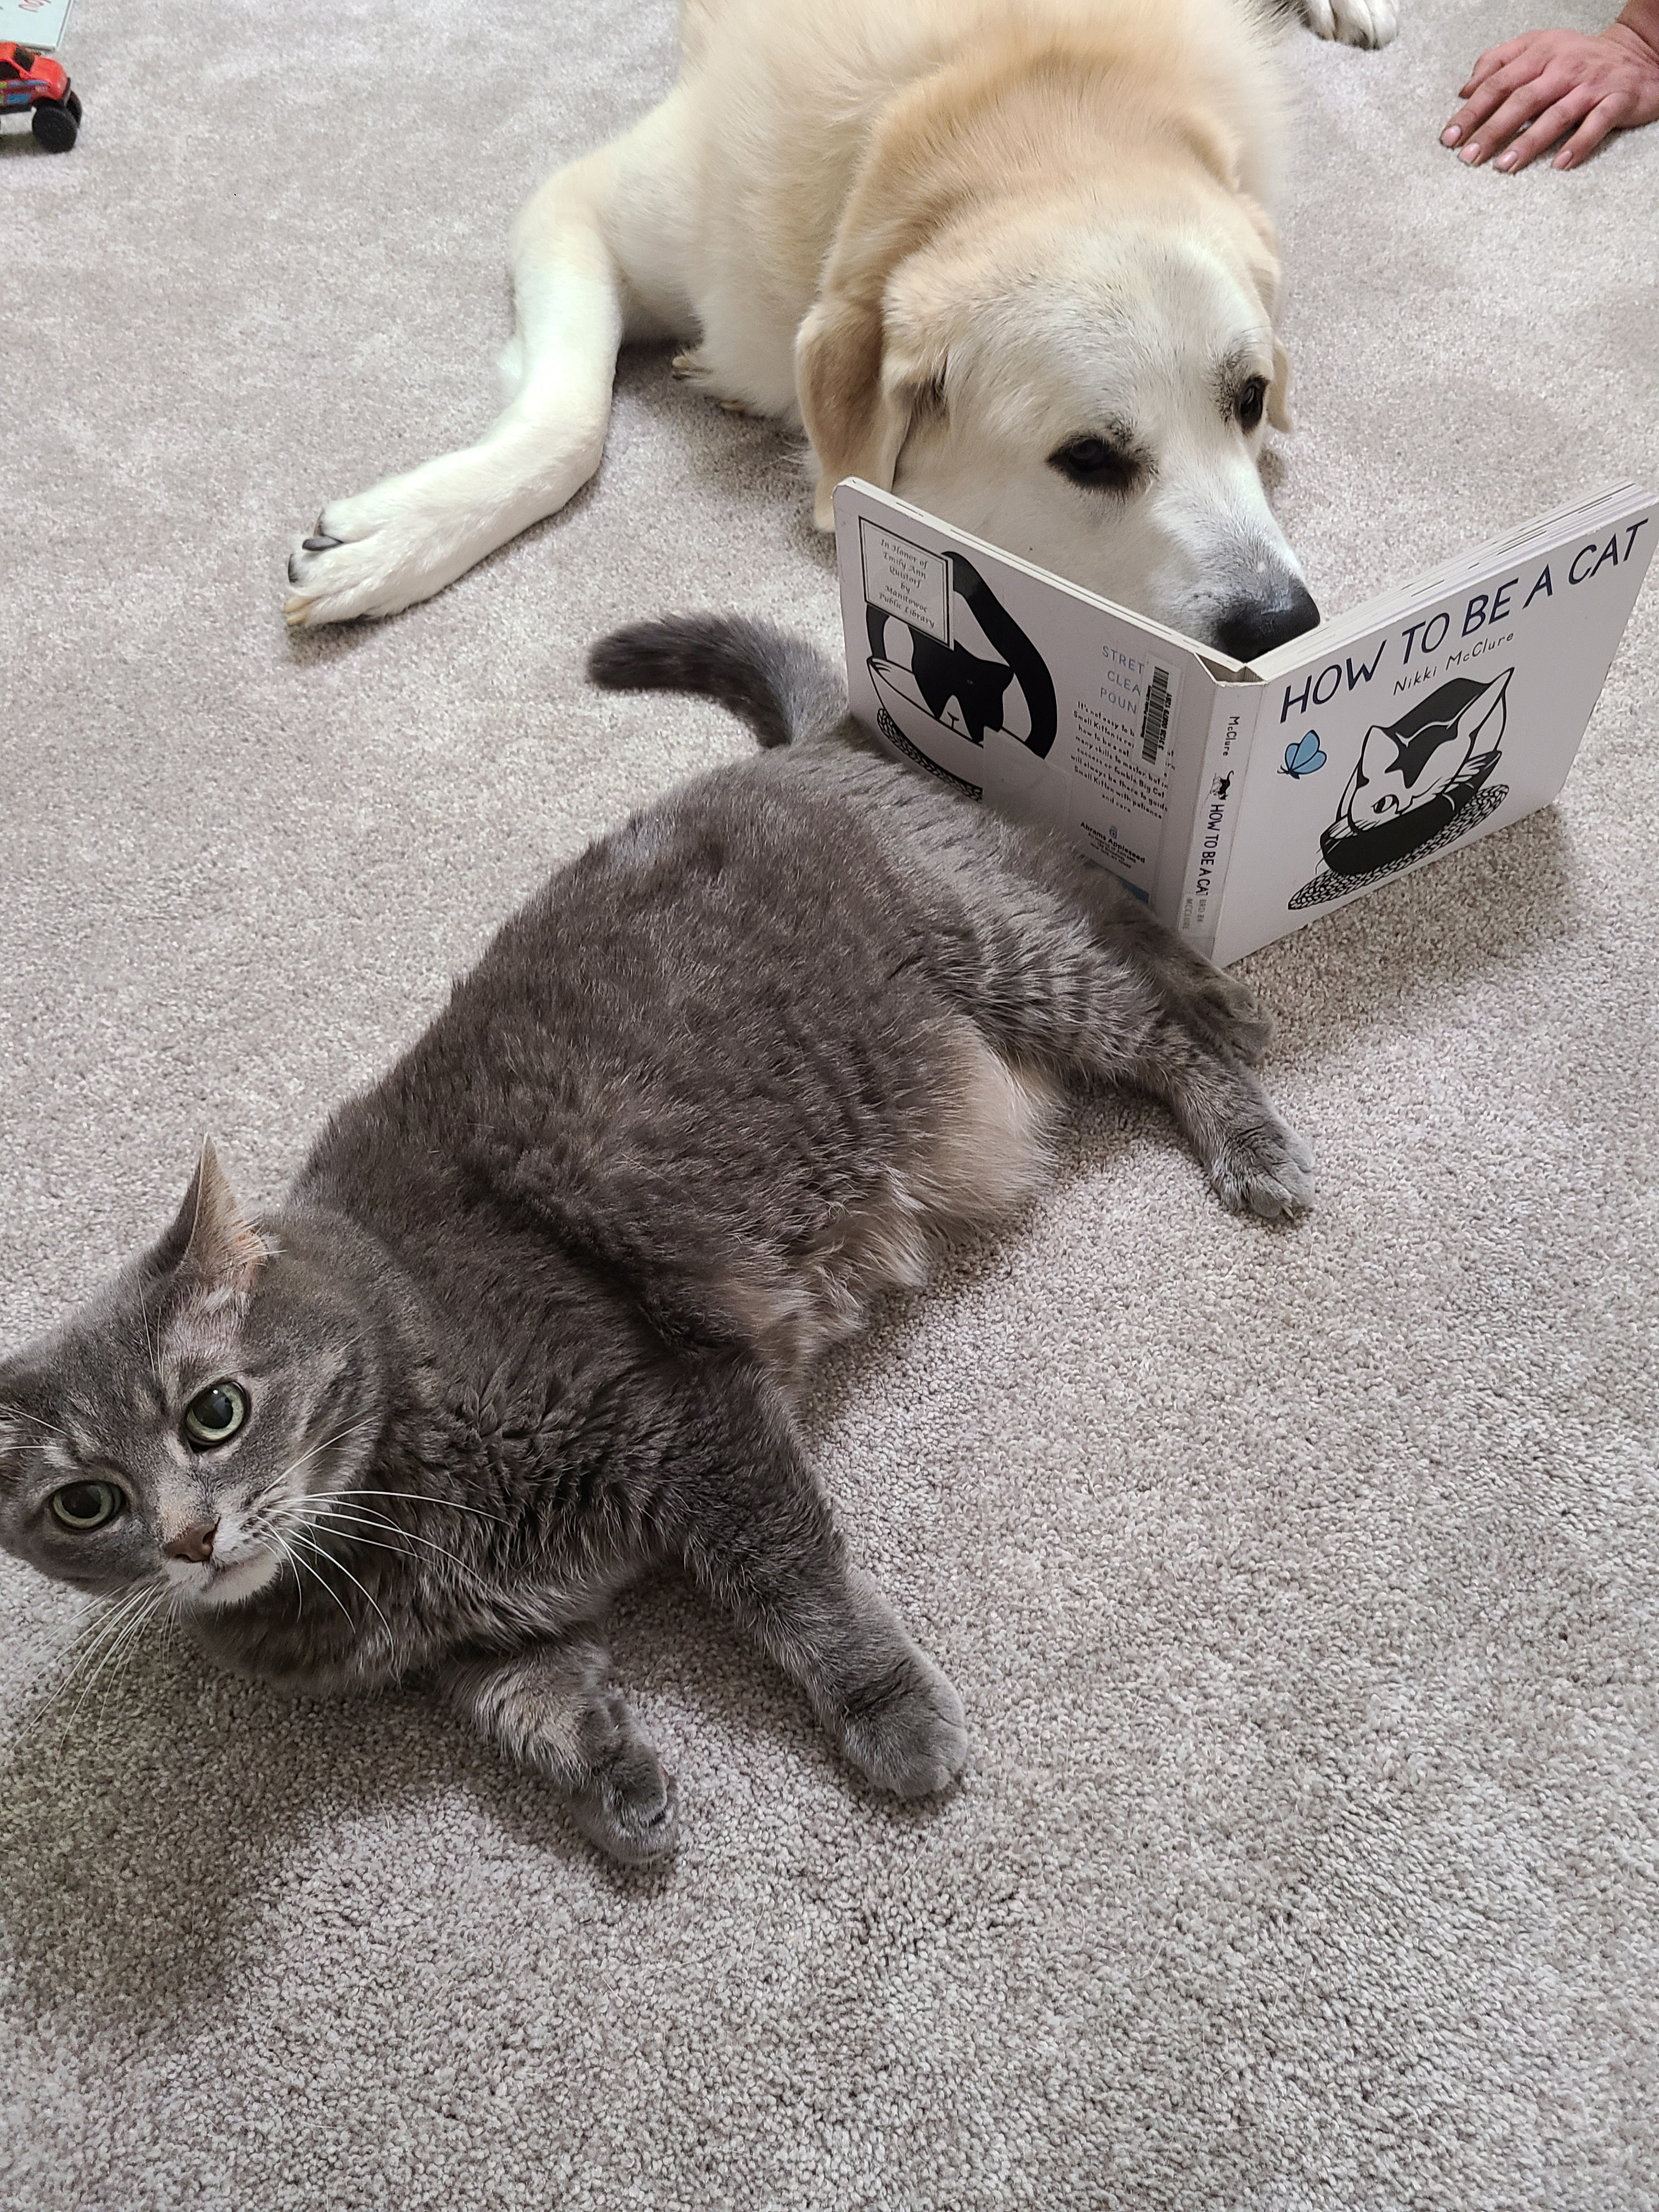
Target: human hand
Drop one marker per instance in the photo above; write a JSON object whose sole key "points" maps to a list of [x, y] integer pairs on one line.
{"points": [[1527, 94]]}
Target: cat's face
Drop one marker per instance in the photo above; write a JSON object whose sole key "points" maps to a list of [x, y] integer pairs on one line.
{"points": [[172, 1433], [1387, 782]]}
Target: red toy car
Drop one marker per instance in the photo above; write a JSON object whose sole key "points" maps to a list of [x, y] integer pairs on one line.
{"points": [[35, 80]]}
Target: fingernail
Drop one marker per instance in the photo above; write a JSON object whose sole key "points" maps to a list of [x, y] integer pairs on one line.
{"points": [[1471, 152], [1450, 134], [1563, 161], [1506, 160]]}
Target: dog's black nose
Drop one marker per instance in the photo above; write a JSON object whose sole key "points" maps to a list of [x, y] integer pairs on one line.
{"points": [[1254, 626]]}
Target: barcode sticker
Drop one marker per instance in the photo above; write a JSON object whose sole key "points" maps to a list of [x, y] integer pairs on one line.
{"points": [[1155, 716]]}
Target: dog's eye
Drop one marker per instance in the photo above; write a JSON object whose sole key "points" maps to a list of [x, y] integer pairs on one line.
{"points": [[1248, 403], [1097, 464]]}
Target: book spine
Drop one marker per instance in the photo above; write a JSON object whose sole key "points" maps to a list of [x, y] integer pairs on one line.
{"points": [[1215, 813]]}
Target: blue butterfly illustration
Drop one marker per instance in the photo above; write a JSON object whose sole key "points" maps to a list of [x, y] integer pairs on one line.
{"points": [[1304, 757]]}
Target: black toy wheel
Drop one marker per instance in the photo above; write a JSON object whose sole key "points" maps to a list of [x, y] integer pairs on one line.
{"points": [[72, 101], [54, 126]]}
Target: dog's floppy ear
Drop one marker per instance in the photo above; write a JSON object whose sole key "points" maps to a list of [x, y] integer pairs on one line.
{"points": [[1278, 392], [872, 348], [859, 390], [1267, 270]]}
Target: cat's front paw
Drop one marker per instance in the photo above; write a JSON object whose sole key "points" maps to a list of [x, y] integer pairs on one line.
{"points": [[631, 1809], [914, 1741], [1264, 1167]]}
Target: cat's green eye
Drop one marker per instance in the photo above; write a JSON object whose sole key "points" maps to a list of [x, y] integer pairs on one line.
{"points": [[213, 1415], [83, 1505]]}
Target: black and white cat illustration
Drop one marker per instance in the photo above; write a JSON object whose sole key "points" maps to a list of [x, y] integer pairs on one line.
{"points": [[963, 694], [1416, 777]]}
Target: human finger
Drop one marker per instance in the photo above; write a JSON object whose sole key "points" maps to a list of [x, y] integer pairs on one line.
{"points": [[1490, 96], [1511, 115], [1548, 128], [1495, 59], [1604, 116]]}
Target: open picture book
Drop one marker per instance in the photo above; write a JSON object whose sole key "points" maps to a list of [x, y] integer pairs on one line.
{"points": [[36, 23], [1242, 800]]}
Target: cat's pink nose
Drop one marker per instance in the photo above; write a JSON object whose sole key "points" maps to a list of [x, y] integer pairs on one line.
{"points": [[194, 1543]]}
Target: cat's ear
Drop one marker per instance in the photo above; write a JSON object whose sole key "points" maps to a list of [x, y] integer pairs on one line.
{"points": [[211, 1240]]}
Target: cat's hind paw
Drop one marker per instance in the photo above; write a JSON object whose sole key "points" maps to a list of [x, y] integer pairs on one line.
{"points": [[1227, 1016]]}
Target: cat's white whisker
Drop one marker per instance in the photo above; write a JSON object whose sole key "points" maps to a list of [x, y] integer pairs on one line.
{"points": [[264, 1530], [11, 1413], [318, 1514], [416, 1498], [135, 1620], [92, 1637], [110, 1670], [298, 1563], [334, 1561], [89, 1639], [356, 1520]]}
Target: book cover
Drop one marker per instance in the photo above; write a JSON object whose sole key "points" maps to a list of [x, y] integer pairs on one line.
{"points": [[1451, 721], [36, 23], [1241, 801]]}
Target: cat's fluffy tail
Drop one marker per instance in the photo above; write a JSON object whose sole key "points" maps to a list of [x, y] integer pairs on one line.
{"points": [[785, 690]]}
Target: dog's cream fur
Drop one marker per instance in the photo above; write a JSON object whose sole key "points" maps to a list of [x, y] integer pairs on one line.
{"points": [[947, 237]]}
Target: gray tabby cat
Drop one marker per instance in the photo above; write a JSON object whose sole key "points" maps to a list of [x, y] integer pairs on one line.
{"points": [[534, 1317]]}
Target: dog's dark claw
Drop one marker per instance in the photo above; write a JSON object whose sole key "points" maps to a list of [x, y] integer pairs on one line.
{"points": [[293, 573], [320, 545]]}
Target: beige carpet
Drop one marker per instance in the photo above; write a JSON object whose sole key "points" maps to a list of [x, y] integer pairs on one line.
{"points": [[1301, 1587]]}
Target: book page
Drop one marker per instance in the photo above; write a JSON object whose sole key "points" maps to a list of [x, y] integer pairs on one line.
{"points": [[1460, 715], [1012, 686]]}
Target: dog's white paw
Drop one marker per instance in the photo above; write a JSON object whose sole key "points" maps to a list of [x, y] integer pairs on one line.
{"points": [[1354, 22], [374, 554]]}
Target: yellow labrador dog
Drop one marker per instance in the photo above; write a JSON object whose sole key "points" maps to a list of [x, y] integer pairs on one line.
{"points": [[1011, 257]]}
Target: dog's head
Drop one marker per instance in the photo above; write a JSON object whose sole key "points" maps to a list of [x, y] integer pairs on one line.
{"points": [[1086, 382]]}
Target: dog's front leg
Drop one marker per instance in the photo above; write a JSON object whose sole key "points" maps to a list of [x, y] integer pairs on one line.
{"points": [[412, 534]]}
